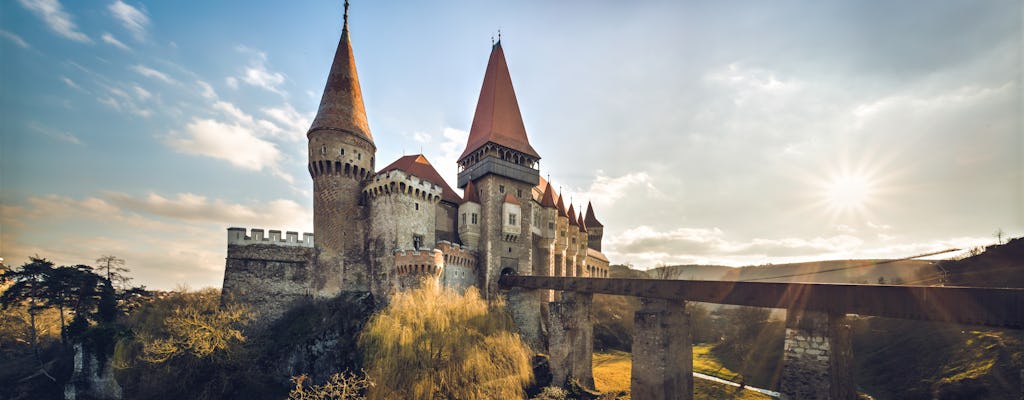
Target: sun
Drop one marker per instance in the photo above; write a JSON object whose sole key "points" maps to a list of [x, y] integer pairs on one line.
{"points": [[848, 192]]}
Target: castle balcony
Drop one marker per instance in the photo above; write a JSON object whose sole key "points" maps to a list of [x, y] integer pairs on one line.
{"points": [[238, 237]]}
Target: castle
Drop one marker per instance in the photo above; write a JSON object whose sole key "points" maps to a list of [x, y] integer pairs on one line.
{"points": [[385, 230]]}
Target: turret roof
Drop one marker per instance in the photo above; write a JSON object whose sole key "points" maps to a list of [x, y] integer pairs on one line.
{"points": [[548, 199], [497, 118], [561, 206], [591, 219], [572, 217], [341, 107], [470, 193], [418, 165], [509, 198], [583, 224]]}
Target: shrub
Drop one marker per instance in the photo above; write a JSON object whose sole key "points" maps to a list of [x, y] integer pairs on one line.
{"points": [[434, 343]]}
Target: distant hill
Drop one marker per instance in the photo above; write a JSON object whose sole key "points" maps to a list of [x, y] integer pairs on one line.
{"points": [[839, 271], [997, 266]]}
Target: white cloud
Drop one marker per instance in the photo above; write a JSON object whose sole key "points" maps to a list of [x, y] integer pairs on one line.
{"points": [[165, 239], [206, 90], [13, 38], [111, 40], [256, 73], [141, 93], [70, 83], [63, 136], [53, 14], [295, 123], [421, 137], [605, 191], [231, 142], [151, 73], [231, 82], [131, 18]]}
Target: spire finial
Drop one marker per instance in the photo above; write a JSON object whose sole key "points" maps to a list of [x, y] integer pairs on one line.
{"points": [[345, 17], [499, 35]]}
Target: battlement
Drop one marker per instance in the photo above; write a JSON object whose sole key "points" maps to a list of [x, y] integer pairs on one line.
{"points": [[418, 261], [455, 254], [400, 182], [237, 236]]}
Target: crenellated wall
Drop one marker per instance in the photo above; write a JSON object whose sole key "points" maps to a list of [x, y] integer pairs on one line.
{"points": [[267, 273], [460, 264]]}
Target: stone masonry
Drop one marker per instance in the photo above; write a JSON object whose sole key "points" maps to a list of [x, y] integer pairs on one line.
{"points": [[817, 357]]}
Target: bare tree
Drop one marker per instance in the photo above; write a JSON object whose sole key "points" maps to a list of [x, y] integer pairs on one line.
{"points": [[113, 268]]}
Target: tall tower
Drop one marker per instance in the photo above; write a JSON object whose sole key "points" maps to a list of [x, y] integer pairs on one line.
{"points": [[502, 166], [341, 155]]}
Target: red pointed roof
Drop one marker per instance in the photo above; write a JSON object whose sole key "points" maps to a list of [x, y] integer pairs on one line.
{"points": [[561, 206], [548, 199], [572, 217], [418, 165], [470, 194], [509, 198], [591, 219], [497, 118], [341, 107], [583, 225]]}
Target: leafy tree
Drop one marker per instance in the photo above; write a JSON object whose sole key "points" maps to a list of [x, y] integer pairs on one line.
{"points": [[432, 343], [28, 286]]}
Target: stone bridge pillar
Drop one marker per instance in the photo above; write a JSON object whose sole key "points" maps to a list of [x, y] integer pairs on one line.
{"points": [[818, 357], [662, 352], [571, 339]]}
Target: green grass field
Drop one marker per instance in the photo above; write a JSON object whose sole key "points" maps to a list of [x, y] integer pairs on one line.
{"points": [[612, 373]]}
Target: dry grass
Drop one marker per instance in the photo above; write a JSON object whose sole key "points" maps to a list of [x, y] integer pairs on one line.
{"points": [[612, 371], [432, 343]]}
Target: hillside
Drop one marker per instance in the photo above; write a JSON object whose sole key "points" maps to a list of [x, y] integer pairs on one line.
{"points": [[997, 266], [837, 271]]}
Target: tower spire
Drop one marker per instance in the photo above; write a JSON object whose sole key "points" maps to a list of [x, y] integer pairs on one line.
{"points": [[341, 107], [497, 119]]}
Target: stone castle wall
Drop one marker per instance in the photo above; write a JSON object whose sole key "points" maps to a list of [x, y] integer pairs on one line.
{"points": [[268, 276]]}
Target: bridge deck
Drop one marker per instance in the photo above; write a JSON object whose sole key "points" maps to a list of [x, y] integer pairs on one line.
{"points": [[995, 307]]}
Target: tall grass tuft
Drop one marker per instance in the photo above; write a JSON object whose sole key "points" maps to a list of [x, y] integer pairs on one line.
{"points": [[432, 343]]}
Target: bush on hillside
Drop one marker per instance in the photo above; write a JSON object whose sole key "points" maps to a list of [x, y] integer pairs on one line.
{"points": [[432, 343]]}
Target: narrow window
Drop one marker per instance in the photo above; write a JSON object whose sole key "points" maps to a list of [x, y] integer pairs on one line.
{"points": [[417, 206], [417, 241], [323, 150], [551, 225], [359, 156], [341, 152], [474, 218], [519, 193], [501, 188], [464, 218], [511, 219]]}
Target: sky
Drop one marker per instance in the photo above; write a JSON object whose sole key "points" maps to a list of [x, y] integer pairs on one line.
{"points": [[732, 133]]}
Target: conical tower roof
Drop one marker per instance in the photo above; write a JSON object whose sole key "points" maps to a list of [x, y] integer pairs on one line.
{"points": [[548, 199], [341, 107], [583, 225], [572, 217], [497, 118], [561, 206], [591, 219], [469, 193]]}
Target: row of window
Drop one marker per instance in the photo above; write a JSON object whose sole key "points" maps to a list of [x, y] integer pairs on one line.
{"points": [[341, 152], [519, 192]]}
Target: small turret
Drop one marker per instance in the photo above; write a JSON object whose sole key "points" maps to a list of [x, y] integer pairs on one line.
{"points": [[469, 217], [595, 230]]}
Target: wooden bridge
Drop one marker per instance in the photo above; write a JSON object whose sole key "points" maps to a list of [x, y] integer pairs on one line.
{"points": [[818, 355]]}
